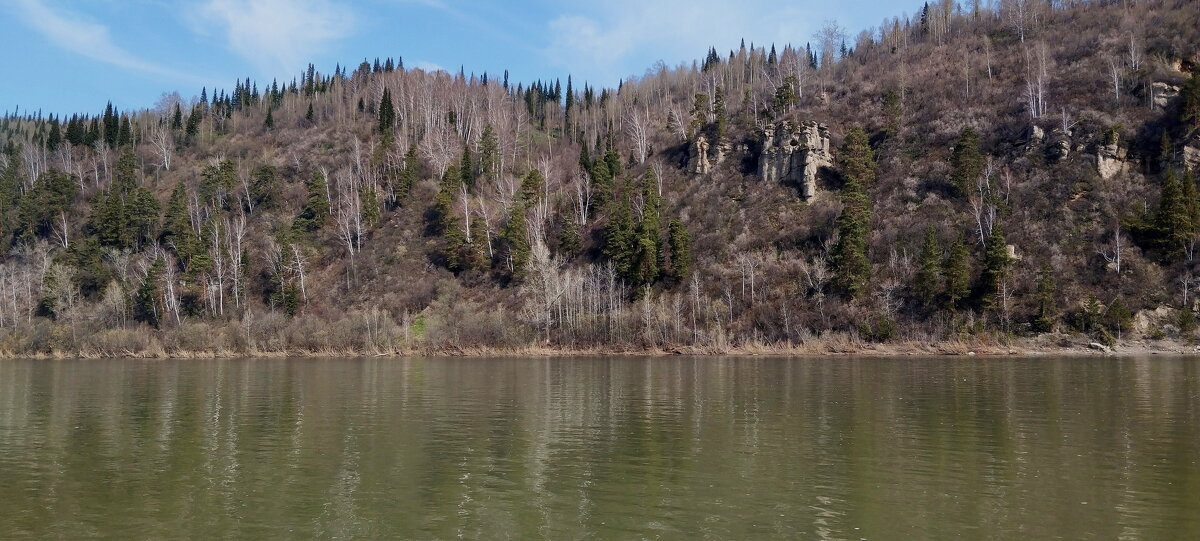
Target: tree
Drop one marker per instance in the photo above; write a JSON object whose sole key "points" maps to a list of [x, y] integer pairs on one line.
{"points": [[966, 161], [857, 159], [1046, 312], [996, 266], [957, 274], [619, 239], [928, 284], [387, 115], [1189, 111], [514, 241], [489, 154], [316, 206], [1178, 217], [680, 245], [852, 269]]}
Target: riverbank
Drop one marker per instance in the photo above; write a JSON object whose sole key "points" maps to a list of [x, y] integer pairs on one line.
{"points": [[1045, 345]]}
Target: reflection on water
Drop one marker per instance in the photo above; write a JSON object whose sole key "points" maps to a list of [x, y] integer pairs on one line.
{"points": [[601, 448]]}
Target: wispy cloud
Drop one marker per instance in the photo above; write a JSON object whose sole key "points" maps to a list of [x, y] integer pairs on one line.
{"points": [[278, 36], [428, 66], [611, 41], [89, 39]]}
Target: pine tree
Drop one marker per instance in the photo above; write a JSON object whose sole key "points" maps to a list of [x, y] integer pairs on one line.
{"points": [[852, 269], [966, 161], [619, 242], [531, 186], [928, 283], [1189, 110], [646, 263], [387, 115], [177, 118], [721, 125], [1046, 314], [957, 275], [269, 122], [996, 266], [316, 206], [466, 168], [1176, 220], [680, 245], [193, 123], [489, 154], [857, 159], [514, 240], [145, 301]]}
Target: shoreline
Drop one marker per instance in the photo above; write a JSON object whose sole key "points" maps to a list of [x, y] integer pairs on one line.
{"points": [[1032, 347]]}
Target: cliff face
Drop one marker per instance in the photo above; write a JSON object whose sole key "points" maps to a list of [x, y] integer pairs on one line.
{"points": [[794, 154]]}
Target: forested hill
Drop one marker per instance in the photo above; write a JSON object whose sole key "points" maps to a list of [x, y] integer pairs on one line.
{"points": [[966, 174]]}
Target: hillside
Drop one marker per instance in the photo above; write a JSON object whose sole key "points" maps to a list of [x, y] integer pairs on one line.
{"points": [[966, 175]]}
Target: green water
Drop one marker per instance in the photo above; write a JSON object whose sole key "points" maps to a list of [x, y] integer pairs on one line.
{"points": [[615, 448]]}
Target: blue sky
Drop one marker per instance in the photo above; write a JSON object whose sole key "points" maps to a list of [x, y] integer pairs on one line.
{"points": [[66, 56]]}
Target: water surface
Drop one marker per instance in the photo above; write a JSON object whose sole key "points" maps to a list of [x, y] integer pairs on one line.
{"points": [[611, 448]]}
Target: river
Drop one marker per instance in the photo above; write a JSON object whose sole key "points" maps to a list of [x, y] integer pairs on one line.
{"points": [[601, 448]]}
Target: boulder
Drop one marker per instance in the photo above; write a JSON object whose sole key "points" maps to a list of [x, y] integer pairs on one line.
{"points": [[795, 154]]}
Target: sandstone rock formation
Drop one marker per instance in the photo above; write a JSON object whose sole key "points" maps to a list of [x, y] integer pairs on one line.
{"points": [[1110, 159], [795, 154], [1163, 93], [698, 161], [1191, 154]]}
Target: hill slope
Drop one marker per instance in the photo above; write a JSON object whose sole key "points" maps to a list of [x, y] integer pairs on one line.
{"points": [[967, 173]]}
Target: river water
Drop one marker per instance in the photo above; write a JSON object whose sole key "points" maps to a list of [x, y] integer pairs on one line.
{"points": [[604, 448]]}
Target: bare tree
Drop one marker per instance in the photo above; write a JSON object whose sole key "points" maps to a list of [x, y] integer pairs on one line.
{"points": [[163, 142]]}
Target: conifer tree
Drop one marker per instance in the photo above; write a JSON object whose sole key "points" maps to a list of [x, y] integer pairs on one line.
{"points": [[680, 245], [316, 206], [928, 283], [515, 241], [1177, 218], [996, 266], [489, 154], [177, 118], [721, 125], [957, 274], [387, 115], [852, 269], [531, 186], [966, 161], [619, 242], [269, 122], [1189, 110], [1046, 316]]}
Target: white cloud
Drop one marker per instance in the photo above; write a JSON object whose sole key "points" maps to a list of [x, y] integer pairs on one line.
{"points": [[428, 66], [88, 39], [622, 37], [278, 36]]}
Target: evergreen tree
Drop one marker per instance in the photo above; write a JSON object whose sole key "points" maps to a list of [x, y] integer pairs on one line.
{"points": [[466, 168], [316, 206], [387, 115], [996, 266], [619, 240], [957, 274], [1046, 312], [309, 114], [269, 122], [928, 283], [893, 110], [857, 159], [531, 186], [1189, 110], [55, 138], [680, 245], [852, 269], [721, 125], [966, 161], [1177, 220], [489, 154], [515, 241], [646, 263], [193, 123], [145, 301], [177, 118]]}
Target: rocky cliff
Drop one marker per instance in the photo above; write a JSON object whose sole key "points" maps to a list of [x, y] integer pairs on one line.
{"points": [[794, 154]]}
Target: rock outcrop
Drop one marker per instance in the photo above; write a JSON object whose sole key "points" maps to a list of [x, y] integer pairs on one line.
{"points": [[698, 161], [1163, 93], [1190, 155], [794, 154], [1110, 159], [1060, 145]]}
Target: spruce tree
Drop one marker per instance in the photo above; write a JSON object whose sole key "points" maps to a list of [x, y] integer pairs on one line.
{"points": [[1046, 313], [680, 245], [515, 241], [966, 161], [489, 154], [852, 269], [1177, 218], [928, 283], [996, 266], [957, 275], [316, 205], [619, 242], [387, 115]]}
